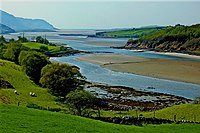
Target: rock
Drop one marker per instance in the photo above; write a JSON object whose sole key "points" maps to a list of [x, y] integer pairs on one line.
{"points": [[5, 84]]}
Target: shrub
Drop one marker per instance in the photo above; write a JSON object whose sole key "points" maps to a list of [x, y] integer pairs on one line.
{"points": [[197, 100], [60, 79], [32, 63], [12, 52], [79, 101], [43, 48]]}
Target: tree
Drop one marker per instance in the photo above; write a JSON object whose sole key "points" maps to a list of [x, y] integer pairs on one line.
{"points": [[12, 52], [2, 39], [131, 41], [22, 56], [39, 39], [32, 63], [197, 100], [22, 39], [60, 79], [79, 101], [11, 40], [43, 48], [2, 51]]}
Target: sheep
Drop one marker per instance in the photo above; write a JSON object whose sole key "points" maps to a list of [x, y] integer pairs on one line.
{"points": [[32, 94], [15, 91]]}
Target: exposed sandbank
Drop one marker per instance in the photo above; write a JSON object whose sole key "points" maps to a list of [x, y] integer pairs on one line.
{"points": [[179, 70]]}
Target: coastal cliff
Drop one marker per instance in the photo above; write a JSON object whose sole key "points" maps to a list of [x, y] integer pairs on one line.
{"points": [[180, 38]]}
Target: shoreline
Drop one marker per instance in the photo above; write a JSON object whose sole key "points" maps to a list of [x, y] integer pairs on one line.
{"points": [[131, 99], [184, 55]]}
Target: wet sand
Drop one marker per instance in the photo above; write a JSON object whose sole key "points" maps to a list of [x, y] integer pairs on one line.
{"points": [[179, 70]]}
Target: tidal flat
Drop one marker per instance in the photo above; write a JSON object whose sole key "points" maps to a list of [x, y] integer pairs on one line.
{"points": [[178, 70]]}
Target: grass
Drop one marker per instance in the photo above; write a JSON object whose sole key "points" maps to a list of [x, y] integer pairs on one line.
{"points": [[131, 33], [189, 112], [21, 82], [23, 120], [52, 50], [36, 46]]}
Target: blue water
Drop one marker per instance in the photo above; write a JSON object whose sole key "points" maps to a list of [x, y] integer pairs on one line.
{"points": [[92, 48], [98, 74]]}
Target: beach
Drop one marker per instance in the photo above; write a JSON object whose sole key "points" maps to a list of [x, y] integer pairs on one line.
{"points": [[178, 70], [177, 54]]}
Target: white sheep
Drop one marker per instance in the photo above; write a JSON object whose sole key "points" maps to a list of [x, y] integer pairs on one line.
{"points": [[15, 91], [31, 93]]}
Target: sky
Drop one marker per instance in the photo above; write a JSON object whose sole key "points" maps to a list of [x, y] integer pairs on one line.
{"points": [[96, 14]]}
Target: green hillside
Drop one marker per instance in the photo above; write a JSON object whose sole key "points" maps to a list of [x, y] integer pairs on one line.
{"points": [[133, 33], [20, 81], [23, 120], [185, 39], [49, 50], [189, 112], [36, 46]]}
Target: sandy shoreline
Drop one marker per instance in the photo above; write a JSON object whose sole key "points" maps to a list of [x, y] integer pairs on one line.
{"points": [[176, 54], [178, 70]]}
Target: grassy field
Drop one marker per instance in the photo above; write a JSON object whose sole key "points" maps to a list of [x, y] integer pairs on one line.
{"points": [[35, 45], [52, 50], [130, 33], [189, 112], [23, 120], [21, 82]]}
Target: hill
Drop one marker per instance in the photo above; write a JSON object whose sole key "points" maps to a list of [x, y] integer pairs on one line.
{"points": [[129, 33], [14, 75], [184, 39], [23, 120], [5, 29], [24, 24], [189, 112]]}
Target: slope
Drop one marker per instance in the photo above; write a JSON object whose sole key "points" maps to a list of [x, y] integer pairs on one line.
{"points": [[23, 120], [18, 79], [189, 112], [5, 29]]}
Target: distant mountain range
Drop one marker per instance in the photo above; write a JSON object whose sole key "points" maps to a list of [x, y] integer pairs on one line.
{"points": [[10, 23], [5, 29]]}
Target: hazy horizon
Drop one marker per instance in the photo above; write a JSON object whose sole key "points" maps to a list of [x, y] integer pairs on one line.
{"points": [[65, 14]]}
